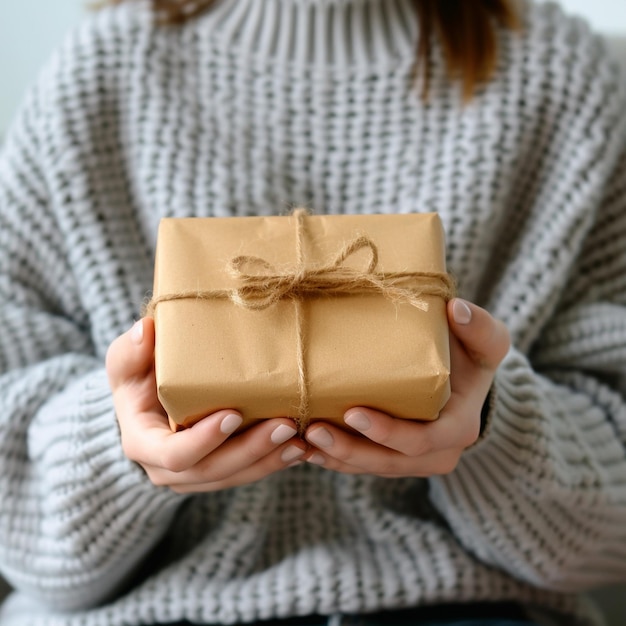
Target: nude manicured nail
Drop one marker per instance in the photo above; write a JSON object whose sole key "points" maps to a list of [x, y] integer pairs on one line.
{"points": [[358, 421], [321, 438], [461, 313], [231, 423], [282, 433], [291, 453]]}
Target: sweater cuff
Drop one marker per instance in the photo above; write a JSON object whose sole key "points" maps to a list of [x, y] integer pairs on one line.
{"points": [[109, 504], [87, 516], [99, 449]]}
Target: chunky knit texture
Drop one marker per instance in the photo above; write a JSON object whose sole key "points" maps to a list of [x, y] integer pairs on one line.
{"points": [[254, 108]]}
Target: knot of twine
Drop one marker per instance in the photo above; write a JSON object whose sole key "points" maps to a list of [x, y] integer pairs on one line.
{"points": [[261, 287]]}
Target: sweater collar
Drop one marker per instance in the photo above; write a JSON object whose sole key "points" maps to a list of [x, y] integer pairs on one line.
{"points": [[318, 32]]}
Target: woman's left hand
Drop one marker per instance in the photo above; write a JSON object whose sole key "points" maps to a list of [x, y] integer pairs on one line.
{"points": [[394, 447]]}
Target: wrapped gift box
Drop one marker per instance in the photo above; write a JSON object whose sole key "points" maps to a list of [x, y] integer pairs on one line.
{"points": [[358, 348]]}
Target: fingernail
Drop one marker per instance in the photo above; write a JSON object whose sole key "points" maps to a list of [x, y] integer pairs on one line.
{"points": [[359, 421], [282, 433], [136, 332], [321, 438], [461, 313], [291, 453], [231, 423], [316, 459]]}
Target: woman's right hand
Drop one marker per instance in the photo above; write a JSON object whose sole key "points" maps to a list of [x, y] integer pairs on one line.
{"points": [[201, 458]]}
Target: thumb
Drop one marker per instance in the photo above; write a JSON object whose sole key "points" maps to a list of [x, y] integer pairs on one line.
{"points": [[131, 355], [484, 338]]}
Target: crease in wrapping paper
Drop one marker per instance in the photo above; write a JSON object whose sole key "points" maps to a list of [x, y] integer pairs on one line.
{"points": [[261, 286]]}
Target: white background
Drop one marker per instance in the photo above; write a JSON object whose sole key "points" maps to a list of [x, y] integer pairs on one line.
{"points": [[30, 29]]}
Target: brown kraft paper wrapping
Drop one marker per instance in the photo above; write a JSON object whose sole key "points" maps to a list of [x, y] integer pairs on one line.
{"points": [[358, 349]]}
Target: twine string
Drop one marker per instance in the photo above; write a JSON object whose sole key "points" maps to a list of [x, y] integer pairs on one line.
{"points": [[260, 287]]}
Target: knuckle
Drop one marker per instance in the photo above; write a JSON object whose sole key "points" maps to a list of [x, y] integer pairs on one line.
{"points": [[259, 444], [421, 445], [212, 471], [172, 462], [130, 449], [343, 454], [337, 458], [255, 449], [384, 434], [157, 478]]}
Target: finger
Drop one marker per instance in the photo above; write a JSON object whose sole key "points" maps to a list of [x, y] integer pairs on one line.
{"points": [[484, 338], [366, 457], [437, 464], [131, 355], [244, 450], [410, 437], [468, 379], [279, 459], [192, 463], [148, 440], [355, 451]]}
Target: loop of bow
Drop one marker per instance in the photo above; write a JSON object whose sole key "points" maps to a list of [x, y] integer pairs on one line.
{"points": [[261, 286]]}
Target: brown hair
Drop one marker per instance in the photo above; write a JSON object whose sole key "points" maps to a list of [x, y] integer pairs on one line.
{"points": [[467, 31]]}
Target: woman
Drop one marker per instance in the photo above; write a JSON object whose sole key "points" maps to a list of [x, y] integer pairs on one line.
{"points": [[510, 125]]}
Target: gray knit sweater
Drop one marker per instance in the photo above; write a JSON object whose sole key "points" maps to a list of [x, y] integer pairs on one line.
{"points": [[251, 109]]}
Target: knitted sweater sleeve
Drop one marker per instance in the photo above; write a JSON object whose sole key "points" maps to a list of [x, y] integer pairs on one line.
{"points": [[542, 495], [76, 517]]}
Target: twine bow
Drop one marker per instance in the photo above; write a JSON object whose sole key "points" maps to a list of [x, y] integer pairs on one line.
{"points": [[261, 286]]}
